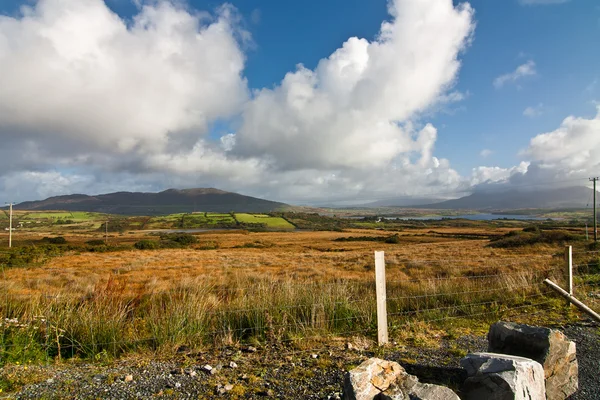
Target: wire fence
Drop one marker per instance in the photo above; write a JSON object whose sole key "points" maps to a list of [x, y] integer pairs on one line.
{"points": [[292, 313]]}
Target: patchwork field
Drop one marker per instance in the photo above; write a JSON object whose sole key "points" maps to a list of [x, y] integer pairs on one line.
{"points": [[270, 222]]}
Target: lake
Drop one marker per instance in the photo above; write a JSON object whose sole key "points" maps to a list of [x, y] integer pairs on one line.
{"points": [[473, 217]]}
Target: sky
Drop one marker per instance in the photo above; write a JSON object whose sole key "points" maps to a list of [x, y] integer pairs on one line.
{"points": [[309, 102]]}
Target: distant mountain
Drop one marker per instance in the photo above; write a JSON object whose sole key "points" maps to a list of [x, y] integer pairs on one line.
{"points": [[401, 202], [166, 202], [570, 197]]}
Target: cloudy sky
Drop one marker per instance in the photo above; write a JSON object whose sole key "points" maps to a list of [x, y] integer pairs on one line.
{"points": [[305, 102]]}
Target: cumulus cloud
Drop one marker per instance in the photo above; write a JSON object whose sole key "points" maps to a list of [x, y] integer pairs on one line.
{"points": [[496, 175], [564, 157], [352, 110], [133, 102], [523, 70], [573, 147], [74, 72]]}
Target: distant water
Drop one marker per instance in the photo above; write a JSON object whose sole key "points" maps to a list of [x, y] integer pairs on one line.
{"points": [[473, 217]]}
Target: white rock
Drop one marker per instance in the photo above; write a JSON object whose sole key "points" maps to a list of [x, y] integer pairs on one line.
{"points": [[549, 347], [498, 376]]}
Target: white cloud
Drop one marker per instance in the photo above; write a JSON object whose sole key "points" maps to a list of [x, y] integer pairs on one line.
{"points": [[132, 103], [535, 111], [486, 153], [102, 86], [541, 2], [523, 70], [352, 110], [574, 147], [482, 175]]}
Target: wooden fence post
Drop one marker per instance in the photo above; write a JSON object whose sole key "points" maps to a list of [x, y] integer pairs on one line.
{"points": [[569, 269], [382, 327]]}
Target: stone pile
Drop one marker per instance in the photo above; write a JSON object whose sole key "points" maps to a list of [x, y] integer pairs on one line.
{"points": [[549, 347], [387, 380]]}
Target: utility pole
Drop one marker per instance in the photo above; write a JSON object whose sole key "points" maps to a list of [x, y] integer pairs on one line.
{"points": [[595, 227], [10, 225]]}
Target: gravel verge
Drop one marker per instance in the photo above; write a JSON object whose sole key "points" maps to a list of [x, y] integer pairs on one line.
{"points": [[273, 372]]}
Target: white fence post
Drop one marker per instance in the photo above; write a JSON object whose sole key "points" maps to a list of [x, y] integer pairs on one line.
{"points": [[569, 266], [382, 327]]}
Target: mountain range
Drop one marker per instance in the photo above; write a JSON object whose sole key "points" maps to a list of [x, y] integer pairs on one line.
{"points": [[165, 202], [215, 200], [568, 197]]}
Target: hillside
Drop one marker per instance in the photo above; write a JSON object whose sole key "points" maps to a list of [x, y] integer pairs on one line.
{"points": [[166, 202], [570, 197]]}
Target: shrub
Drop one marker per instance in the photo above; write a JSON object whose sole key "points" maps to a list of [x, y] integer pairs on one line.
{"points": [[518, 239], [55, 240], [182, 239], [146, 245], [392, 239]]}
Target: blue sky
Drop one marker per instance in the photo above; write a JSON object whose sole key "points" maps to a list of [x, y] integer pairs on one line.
{"points": [[489, 125]]}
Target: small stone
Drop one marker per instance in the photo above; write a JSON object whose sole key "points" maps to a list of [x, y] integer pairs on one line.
{"points": [[207, 368], [314, 356], [128, 378], [233, 365], [251, 349], [177, 384], [245, 377], [50, 380], [228, 387], [192, 373], [349, 346]]}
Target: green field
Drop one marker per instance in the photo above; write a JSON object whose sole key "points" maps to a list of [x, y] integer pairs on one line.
{"points": [[270, 222], [77, 216]]}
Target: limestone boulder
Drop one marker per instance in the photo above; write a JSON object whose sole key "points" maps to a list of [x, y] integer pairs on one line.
{"points": [[549, 347], [502, 377], [387, 380]]}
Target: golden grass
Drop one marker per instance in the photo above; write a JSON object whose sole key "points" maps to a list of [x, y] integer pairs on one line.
{"points": [[297, 285]]}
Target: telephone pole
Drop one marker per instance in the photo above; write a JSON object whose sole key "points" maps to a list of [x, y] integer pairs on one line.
{"points": [[10, 225], [595, 228]]}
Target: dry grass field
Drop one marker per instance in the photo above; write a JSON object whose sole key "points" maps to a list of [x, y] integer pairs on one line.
{"points": [[297, 287]]}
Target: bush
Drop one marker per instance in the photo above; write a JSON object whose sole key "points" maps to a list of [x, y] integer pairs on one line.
{"points": [[532, 229], [518, 239], [146, 245], [392, 239], [183, 239], [55, 240]]}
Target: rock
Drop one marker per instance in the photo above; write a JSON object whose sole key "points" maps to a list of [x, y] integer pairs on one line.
{"points": [[380, 379], [209, 369], [500, 376], [128, 378], [549, 347], [314, 356], [228, 387], [251, 349], [233, 365]]}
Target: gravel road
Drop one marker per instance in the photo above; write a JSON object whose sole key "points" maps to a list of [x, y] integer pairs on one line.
{"points": [[242, 373]]}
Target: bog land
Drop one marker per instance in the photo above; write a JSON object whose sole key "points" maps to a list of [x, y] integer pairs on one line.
{"points": [[75, 288]]}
